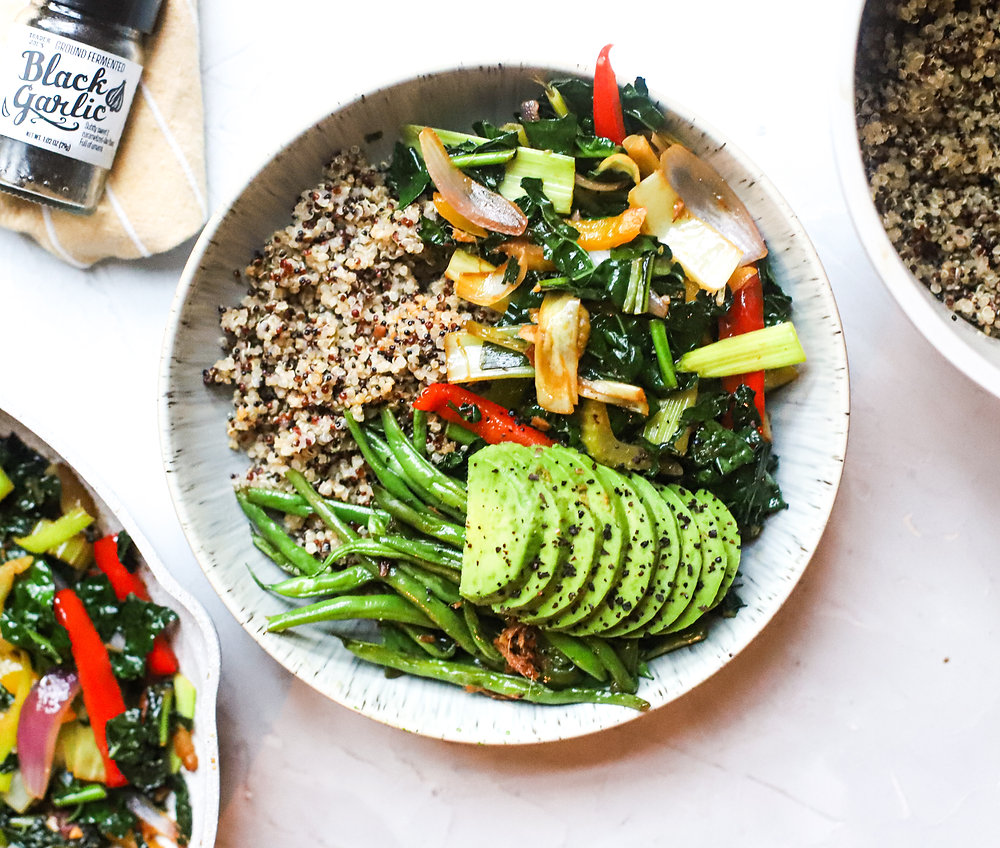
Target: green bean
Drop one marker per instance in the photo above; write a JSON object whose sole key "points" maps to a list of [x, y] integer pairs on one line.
{"points": [[673, 641], [322, 584], [436, 610], [406, 489], [294, 504], [578, 653], [620, 677], [391, 481], [486, 647], [343, 607], [433, 644], [426, 522], [395, 639], [442, 588], [298, 557], [330, 518], [420, 431], [467, 675], [371, 548], [272, 553], [433, 482], [432, 552], [457, 433]]}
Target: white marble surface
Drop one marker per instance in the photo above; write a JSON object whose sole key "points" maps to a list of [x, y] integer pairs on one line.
{"points": [[866, 713]]}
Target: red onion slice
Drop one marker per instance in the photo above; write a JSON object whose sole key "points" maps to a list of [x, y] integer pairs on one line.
{"points": [[41, 717], [470, 199], [708, 197]]}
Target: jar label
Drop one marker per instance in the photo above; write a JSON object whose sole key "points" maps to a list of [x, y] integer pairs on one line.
{"points": [[65, 95]]}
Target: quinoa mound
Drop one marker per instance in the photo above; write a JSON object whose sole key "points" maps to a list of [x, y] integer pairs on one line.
{"points": [[345, 310], [928, 116]]}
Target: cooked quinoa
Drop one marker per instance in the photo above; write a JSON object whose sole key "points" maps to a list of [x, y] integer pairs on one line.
{"points": [[929, 125], [345, 310]]}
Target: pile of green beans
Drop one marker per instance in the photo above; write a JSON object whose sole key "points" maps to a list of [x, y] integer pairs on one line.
{"points": [[403, 571]]}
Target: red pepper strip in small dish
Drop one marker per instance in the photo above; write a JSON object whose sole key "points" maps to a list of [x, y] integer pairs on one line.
{"points": [[101, 695], [746, 314], [608, 119], [494, 423], [161, 660]]}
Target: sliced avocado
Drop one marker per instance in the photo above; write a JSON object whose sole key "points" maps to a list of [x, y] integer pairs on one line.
{"points": [[609, 560], [713, 563], [688, 568], [501, 535], [548, 481], [730, 535], [668, 557], [641, 556], [592, 514]]}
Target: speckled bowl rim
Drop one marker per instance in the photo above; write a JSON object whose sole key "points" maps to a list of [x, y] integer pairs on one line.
{"points": [[196, 640], [524, 723], [966, 348]]}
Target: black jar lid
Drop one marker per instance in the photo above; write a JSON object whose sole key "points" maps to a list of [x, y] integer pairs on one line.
{"points": [[137, 14]]}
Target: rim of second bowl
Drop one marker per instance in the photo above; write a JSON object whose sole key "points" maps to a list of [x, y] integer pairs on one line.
{"points": [[805, 544], [970, 351]]}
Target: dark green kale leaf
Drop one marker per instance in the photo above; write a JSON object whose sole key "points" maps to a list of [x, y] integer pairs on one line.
{"points": [[620, 348], [35, 494], [432, 232], [132, 623], [28, 620], [777, 304], [555, 134], [134, 742], [33, 831], [407, 176], [549, 229], [521, 302], [578, 95], [688, 322], [182, 807], [639, 109], [108, 815]]}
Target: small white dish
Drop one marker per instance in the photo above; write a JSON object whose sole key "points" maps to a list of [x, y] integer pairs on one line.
{"points": [[194, 640], [969, 350], [810, 418]]}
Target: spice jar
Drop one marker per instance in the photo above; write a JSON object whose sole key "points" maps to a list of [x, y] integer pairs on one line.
{"points": [[67, 78]]}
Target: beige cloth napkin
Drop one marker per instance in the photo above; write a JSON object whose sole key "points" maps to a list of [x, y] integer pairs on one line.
{"points": [[156, 195]]}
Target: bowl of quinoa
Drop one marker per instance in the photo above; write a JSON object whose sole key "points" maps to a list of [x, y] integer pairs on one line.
{"points": [[310, 296], [918, 144]]}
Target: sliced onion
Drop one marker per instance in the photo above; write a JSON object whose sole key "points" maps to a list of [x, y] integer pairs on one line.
{"points": [[708, 197], [617, 394], [595, 185], [487, 289], [468, 198], [659, 306], [143, 808], [557, 352], [41, 717]]}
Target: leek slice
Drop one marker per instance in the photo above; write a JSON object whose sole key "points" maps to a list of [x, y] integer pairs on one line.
{"points": [[663, 424], [464, 360], [758, 350]]}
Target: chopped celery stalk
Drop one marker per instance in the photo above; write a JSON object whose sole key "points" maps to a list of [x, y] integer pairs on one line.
{"points": [[556, 101], [75, 551], [464, 361], [185, 696], [478, 160], [90, 792], [457, 433], [775, 378], [463, 262], [658, 330], [602, 443], [758, 350], [662, 425], [6, 485], [553, 283], [556, 171], [51, 534], [164, 728], [77, 748], [522, 136], [17, 796]]}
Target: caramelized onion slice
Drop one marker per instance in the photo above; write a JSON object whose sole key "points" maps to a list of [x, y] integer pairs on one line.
{"points": [[470, 199], [708, 197], [488, 289], [38, 726]]}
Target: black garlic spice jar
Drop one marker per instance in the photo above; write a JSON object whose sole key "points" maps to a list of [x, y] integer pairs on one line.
{"points": [[68, 74]]}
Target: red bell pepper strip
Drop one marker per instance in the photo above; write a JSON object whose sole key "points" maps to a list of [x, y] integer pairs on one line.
{"points": [[161, 660], [101, 695], [493, 423], [608, 119], [746, 314]]}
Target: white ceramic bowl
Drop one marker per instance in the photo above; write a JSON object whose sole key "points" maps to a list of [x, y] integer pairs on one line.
{"points": [[972, 352], [810, 419], [194, 640]]}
